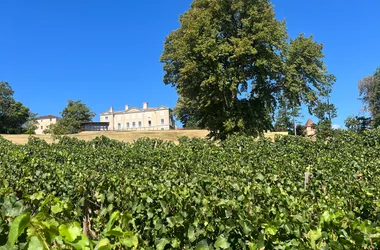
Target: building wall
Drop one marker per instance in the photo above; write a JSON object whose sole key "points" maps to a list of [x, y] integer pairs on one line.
{"points": [[310, 131], [139, 120], [44, 124]]}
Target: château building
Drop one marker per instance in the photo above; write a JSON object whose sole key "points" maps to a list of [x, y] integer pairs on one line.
{"points": [[144, 118]]}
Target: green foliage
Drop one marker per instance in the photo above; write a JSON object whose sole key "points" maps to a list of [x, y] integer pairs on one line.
{"points": [[44, 230], [358, 123], [31, 124], [236, 194], [286, 117], [231, 62], [300, 130], [352, 123], [325, 112], [12, 114], [183, 112], [369, 90], [73, 115]]}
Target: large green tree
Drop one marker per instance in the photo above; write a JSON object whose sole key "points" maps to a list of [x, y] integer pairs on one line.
{"points": [[12, 114], [232, 61], [369, 90], [73, 115]]}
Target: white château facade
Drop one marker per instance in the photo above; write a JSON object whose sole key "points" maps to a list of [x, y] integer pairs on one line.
{"points": [[144, 118]]}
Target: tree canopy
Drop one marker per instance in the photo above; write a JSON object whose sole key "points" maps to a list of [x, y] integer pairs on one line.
{"points": [[183, 112], [31, 124], [286, 115], [231, 61], [12, 114], [369, 90], [325, 112], [73, 115]]}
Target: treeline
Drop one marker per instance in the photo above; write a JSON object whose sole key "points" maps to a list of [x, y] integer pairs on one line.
{"points": [[16, 118]]}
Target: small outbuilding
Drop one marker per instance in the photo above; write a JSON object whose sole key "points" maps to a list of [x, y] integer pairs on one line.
{"points": [[94, 126]]}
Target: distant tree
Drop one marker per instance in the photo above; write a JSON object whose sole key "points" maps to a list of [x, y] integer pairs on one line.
{"points": [[12, 114], [283, 119], [72, 116], [352, 123], [286, 119], [358, 123], [300, 130], [369, 90], [232, 61], [365, 123], [184, 112], [31, 124], [325, 112]]}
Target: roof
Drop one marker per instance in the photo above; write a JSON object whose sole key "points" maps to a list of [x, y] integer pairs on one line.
{"points": [[134, 110], [309, 123], [48, 117]]}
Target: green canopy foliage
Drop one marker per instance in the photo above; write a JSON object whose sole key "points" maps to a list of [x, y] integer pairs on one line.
{"points": [[286, 117], [352, 123], [369, 90], [183, 112], [325, 112], [231, 61], [358, 123], [12, 114], [73, 115], [31, 124]]}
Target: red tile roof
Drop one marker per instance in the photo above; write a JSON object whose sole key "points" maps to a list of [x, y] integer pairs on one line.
{"points": [[47, 117], [309, 123]]}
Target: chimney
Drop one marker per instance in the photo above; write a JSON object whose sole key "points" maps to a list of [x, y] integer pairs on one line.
{"points": [[111, 109], [126, 106], [145, 105]]}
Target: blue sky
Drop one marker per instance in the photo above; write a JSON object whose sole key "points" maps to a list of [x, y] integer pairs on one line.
{"points": [[107, 52]]}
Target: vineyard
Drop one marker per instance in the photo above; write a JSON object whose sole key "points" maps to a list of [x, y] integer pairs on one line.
{"points": [[292, 193]]}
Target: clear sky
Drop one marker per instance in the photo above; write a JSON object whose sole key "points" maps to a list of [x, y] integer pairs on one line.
{"points": [[107, 52]]}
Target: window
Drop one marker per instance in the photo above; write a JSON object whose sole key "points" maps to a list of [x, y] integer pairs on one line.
{"points": [[133, 124], [50, 119], [42, 127], [106, 118], [162, 121], [162, 128], [139, 124], [149, 123], [127, 124], [119, 126]]}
